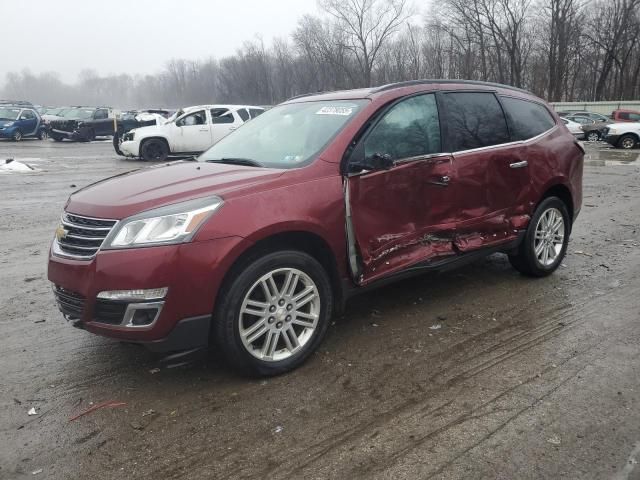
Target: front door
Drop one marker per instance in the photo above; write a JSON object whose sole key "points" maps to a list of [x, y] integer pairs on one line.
{"points": [[28, 122], [404, 215], [194, 133]]}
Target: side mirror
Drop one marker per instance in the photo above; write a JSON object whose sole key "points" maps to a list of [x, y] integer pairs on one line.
{"points": [[377, 161]]}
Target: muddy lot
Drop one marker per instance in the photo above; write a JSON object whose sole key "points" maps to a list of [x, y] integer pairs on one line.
{"points": [[523, 379]]}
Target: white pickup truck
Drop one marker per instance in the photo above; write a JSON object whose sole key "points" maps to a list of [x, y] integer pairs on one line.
{"points": [[623, 135], [192, 131]]}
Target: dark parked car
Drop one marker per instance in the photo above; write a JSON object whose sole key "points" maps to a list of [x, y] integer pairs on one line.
{"points": [[83, 124], [598, 117], [131, 119], [19, 121], [254, 246]]}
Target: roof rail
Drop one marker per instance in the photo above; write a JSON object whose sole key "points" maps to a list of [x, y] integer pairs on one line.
{"points": [[445, 81], [306, 95]]}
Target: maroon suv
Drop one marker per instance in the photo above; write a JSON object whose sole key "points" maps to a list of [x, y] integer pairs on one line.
{"points": [[255, 245]]}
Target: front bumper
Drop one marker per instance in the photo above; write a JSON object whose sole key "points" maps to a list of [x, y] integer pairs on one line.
{"points": [[612, 139], [130, 148], [76, 135], [7, 132], [192, 272]]}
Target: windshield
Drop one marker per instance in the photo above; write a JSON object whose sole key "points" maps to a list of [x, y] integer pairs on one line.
{"points": [[286, 136], [78, 114], [9, 113]]}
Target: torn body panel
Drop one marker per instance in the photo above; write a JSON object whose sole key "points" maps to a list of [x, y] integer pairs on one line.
{"points": [[401, 216]]}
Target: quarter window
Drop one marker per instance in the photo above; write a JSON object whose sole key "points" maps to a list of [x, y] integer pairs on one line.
{"points": [[409, 129], [529, 119], [244, 115], [474, 120], [255, 112]]}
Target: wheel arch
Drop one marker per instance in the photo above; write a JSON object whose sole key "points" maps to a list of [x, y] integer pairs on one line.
{"points": [[154, 137], [300, 240], [563, 192]]}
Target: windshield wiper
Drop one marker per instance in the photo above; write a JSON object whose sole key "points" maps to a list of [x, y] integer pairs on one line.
{"points": [[237, 161]]}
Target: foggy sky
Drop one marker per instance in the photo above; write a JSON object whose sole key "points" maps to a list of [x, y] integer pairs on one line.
{"points": [[134, 36]]}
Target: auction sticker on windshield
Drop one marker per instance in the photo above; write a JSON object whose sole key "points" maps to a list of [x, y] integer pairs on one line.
{"points": [[345, 111]]}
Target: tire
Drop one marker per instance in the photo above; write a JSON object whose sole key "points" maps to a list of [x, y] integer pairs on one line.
{"points": [[628, 141], [526, 261], [593, 136], [286, 340], [56, 138], [91, 135], [17, 136], [154, 150], [43, 135]]}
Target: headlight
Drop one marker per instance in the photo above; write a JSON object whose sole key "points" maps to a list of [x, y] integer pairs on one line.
{"points": [[166, 225], [9, 124]]}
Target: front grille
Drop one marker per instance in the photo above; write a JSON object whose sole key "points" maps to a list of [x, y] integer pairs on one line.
{"points": [[108, 311], [70, 303], [82, 236], [605, 131]]}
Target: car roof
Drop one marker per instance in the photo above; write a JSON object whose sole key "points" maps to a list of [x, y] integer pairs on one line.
{"points": [[409, 86]]}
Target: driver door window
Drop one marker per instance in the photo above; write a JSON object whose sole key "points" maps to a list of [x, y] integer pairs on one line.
{"points": [[409, 129]]}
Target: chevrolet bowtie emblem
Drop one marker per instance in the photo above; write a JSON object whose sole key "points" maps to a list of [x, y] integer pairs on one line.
{"points": [[61, 232]]}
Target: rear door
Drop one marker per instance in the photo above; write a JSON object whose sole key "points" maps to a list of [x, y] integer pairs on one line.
{"points": [[404, 215], [194, 133], [491, 173], [224, 122]]}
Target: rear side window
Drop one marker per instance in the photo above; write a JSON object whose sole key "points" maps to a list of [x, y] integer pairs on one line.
{"points": [[529, 119], [221, 115], [244, 115], [255, 112], [409, 129], [634, 117], [474, 120]]}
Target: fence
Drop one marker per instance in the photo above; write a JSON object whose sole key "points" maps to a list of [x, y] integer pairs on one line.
{"points": [[598, 107]]}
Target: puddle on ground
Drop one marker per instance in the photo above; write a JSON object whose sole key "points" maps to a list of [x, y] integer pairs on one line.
{"points": [[605, 156]]}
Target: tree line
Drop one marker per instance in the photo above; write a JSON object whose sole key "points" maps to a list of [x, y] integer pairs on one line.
{"points": [[562, 50]]}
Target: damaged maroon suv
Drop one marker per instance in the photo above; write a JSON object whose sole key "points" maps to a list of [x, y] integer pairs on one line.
{"points": [[252, 248]]}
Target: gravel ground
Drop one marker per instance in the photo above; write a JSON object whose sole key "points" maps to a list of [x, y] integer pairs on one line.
{"points": [[524, 379]]}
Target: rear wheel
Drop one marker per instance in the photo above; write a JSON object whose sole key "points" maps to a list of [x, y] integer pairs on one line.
{"points": [[627, 142], [154, 150], [273, 313], [545, 242]]}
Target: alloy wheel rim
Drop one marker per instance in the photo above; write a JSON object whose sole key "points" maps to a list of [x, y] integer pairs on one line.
{"points": [[549, 237], [593, 137], [627, 143], [17, 136], [279, 314]]}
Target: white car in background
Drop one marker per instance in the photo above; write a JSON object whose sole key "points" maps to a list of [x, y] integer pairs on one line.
{"points": [[623, 135], [191, 131], [574, 127]]}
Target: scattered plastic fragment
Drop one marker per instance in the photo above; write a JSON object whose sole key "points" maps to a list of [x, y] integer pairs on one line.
{"points": [[36, 472], [32, 411], [555, 440], [108, 404], [580, 252], [278, 429], [151, 411], [154, 370], [437, 326]]}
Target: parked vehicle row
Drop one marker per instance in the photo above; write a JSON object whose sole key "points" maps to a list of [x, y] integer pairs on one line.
{"points": [[18, 122], [191, 131], [254, 246]]}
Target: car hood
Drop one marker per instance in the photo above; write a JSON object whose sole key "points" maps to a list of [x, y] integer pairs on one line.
{"points": [[134, 192], [4, 122], [150, 130]]}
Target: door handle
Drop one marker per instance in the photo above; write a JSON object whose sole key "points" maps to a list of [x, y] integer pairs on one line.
{"points": [[521, 164], [232, 128], [442, 181], [204, 129]]}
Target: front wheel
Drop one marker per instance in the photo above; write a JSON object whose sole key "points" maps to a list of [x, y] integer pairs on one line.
{"points": [[17, 136], [593, 136], [43, 135], [627, 142], [545, 242], [273, 313], [154, 150]]}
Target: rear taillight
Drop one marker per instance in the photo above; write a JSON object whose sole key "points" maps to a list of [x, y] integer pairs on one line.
{"points": [[579, 145]]}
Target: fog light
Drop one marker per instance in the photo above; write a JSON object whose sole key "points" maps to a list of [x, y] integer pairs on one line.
{"points": [[143, 316], [135, 295]]}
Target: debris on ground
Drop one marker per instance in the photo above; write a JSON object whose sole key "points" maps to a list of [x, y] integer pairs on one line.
{"points": [[10, 165], [278, 429], [154, 370], [151, 411], [108, 404], [437, 326], [36, 472], [580, 252], [32, 411], [554, 440]]}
